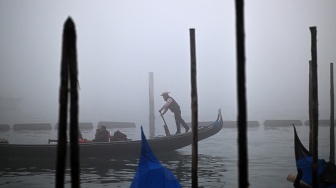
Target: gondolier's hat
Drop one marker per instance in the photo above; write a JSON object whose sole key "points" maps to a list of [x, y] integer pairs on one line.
{"points": [[165, 93]]}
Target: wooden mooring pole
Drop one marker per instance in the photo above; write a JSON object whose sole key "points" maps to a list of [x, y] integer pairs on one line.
{"points": [[194, 109], [332, 125], [68, 67], [310, 109], [151, 106], [314, 110], [241, 96], [73, 73]]}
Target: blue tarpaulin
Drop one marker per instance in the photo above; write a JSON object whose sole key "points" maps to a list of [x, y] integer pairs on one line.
{"points": [[150, 172], [304, 161]]}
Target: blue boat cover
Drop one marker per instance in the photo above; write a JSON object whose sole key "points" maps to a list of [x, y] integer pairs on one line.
{"points": [[304, 161], [150, 172], [306, 165]]}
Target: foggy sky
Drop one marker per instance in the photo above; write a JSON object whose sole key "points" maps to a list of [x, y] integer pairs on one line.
{"points": [[119, 42]]}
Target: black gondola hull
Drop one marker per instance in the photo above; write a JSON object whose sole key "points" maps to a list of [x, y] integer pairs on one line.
{"points": [[111, 149]]}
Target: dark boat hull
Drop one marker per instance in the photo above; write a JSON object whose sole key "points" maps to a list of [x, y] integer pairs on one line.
{"points": [[112, 149], [326, 170]]}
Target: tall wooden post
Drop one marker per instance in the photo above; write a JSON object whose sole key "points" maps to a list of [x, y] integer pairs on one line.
{"points": [[332, 125], [68, 67], [241, 92], [310, 109], [314, 101], [73, 73], [194, 109], [151, 106]]}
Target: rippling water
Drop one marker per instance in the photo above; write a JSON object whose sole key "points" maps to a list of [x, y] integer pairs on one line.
{"points": [[271, 159]]}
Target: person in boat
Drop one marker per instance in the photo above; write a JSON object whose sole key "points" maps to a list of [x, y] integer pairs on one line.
{"points": [[172, 105], [102, 135], [119, 136]]}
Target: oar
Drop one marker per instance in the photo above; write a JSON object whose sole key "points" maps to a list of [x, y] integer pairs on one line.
{"points": [[165, 126]]}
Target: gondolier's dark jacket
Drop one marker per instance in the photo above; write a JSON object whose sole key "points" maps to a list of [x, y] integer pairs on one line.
{"points": [[174, 107]]}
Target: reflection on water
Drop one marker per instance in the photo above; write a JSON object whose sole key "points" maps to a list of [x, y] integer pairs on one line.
{"points": [[116, 172], [270, 155]]}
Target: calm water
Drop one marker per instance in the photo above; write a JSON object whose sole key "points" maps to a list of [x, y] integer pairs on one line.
{"points": [[271, 159]]}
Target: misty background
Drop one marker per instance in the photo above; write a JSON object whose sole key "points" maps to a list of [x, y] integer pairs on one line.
{"points": [[119, 42]]}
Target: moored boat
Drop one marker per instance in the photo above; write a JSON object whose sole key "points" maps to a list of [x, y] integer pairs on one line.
{"points": [[115, 148], [303, 158]]}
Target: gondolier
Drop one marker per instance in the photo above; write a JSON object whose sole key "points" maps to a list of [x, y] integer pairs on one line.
{"points": [[175, 108]]}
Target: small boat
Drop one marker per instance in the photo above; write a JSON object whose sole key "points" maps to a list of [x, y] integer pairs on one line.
{"points": [[304, 161], [150, 172], [114, 148]]}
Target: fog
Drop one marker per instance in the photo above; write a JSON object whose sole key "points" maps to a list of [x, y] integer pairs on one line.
{"points": [[119, 42]]}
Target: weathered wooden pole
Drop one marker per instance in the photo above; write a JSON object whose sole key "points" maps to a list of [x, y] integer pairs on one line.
{"points": [[332, 125], [241, 95], [194, 109], [314, 101], [68, 67], [73, 73], [310, 109], [151, 106]]}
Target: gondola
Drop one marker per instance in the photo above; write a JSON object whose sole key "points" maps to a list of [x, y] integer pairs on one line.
{"points": [[303, 158], [115, 148]]}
